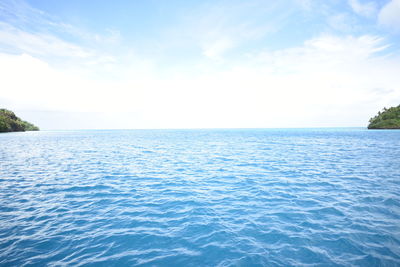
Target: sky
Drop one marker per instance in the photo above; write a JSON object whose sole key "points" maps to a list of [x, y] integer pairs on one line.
{"points": [[100, 64]]}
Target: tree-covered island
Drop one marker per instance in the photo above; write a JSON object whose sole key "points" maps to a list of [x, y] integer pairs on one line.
{"points": [[9, 122], [387, 119]]}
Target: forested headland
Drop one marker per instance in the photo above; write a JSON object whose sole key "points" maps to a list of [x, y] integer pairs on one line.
{"points": [[9, 122], [386, 119]]}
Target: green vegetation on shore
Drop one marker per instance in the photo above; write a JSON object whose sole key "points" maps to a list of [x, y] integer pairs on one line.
{"points": [[387, 119], [9, 122]]}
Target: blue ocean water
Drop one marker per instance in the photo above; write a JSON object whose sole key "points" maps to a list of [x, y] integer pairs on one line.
{"points": [[298, 197]]}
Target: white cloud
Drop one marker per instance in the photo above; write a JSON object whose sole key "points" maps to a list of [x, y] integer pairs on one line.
{"points": [[38, 44], [27, 18], [217, 48], [389, 15], [329, 81], [367, 9], [220, 27]]}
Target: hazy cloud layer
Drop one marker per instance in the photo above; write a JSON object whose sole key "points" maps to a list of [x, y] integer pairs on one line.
{"points": [[221, 64]]}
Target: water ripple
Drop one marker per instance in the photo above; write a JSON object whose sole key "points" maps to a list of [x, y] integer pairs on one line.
{"points": [[200, 198]]}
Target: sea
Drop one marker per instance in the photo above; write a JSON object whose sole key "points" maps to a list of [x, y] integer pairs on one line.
{"points": [[206, 197]]}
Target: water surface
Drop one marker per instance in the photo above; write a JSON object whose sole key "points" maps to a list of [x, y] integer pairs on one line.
{"points": [[299, 197]]}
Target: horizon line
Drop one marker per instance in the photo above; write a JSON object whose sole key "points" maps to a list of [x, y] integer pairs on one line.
{"points": [[209, 128]]}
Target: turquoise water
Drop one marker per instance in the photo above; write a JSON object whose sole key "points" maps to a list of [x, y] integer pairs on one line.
{"points": [[301, 197]]}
